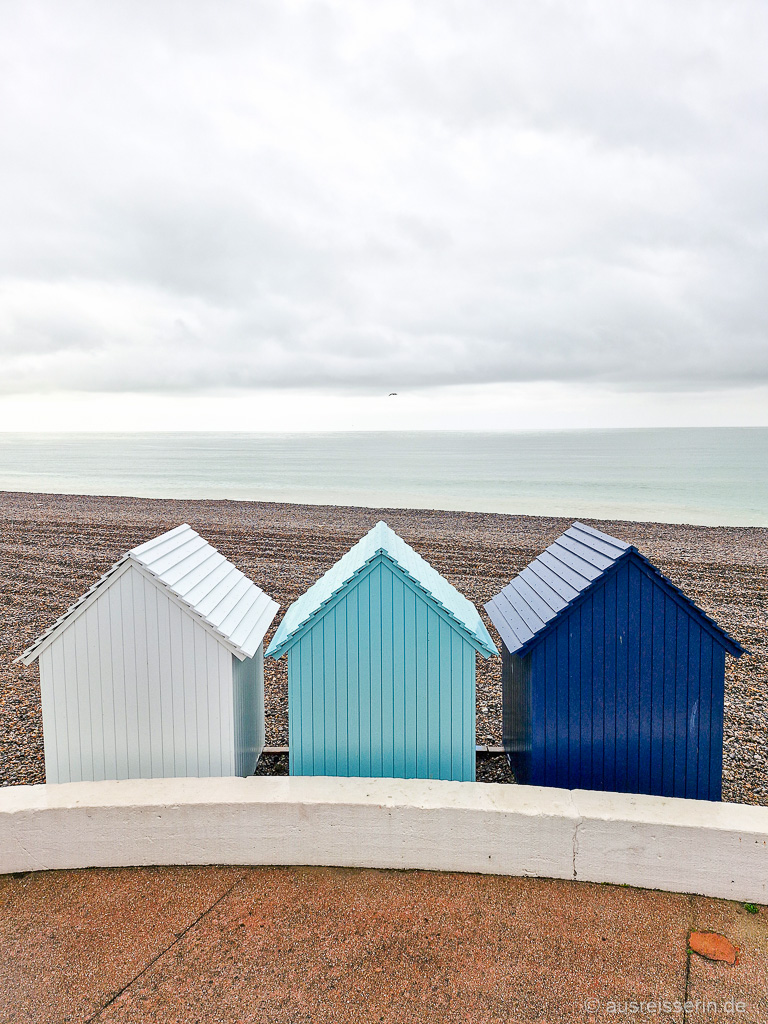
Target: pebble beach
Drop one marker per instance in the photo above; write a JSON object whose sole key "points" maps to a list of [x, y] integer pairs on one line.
{"points": [[54, 547]]}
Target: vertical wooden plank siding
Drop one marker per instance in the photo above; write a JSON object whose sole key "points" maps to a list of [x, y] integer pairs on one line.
{"points": [[51, 721], [375, 642], [387, 727], [327, 717], [381, 685], [179, 696], [445, 706], [398, 660], [79, 656], [586, 705], [611, 711], [166, 692], [669, 700], [112, 652], [189, 683], [656, 639], [307, 703], [705, 721], [199, 646], [154, 687], [532, 715], [136, 645], [410, 687], [645, 665], [294, 710], [339, 641], [469, 712], [433, 694], [353, 712], [549, 668], [364, 657], [598, 689], [574, 694], [621, 699], [248, 714], [90, 618], [509, 720], [136, 688], [705, 725], [694, 714], [717, 711], [681, 620], [635, 724], [422, 696], [127, 627], [105, 674], [625, 694], [562, 632], [89, 703]]}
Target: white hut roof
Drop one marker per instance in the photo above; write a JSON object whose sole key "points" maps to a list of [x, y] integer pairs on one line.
{"points": [[212, 589]]}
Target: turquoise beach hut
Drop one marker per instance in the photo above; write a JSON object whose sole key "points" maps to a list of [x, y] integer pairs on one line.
{"points": [[381, 668]]}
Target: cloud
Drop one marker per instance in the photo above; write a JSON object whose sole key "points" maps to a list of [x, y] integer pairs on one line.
{"points": [[304, 195]]}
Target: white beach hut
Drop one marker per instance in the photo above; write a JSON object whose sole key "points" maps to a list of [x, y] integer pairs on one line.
{"points": [[158, 670]]}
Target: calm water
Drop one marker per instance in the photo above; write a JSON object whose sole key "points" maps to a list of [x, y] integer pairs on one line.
{"points": [[716, 477]]}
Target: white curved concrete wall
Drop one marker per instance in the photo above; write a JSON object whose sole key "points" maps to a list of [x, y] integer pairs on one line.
{"points": [[654, 842]]}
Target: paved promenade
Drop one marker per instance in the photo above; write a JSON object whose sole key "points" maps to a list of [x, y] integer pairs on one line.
{"points": [[300, 945]]}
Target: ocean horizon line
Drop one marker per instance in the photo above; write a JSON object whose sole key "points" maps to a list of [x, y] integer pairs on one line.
{"points": [[701, 476], [63, 432]]}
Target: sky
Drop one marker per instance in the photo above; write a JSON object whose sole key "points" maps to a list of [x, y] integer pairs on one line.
{"points": [[307, 216]]}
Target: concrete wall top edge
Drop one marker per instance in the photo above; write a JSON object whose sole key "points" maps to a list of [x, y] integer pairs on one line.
{"points": [[576, 805], [412, 793], [634, 807]]}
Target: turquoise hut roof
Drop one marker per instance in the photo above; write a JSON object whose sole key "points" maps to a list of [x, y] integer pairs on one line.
{"points": [[381, 540]]}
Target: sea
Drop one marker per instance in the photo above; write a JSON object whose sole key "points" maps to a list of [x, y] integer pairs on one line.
{"points": [[710, 476]]}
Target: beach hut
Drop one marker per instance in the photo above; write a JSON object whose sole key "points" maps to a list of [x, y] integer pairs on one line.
{"points": [[612, 678], [381, 668], [158, 669]]}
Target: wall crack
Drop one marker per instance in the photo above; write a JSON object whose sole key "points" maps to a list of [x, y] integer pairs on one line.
{"points": [[576, 833]]}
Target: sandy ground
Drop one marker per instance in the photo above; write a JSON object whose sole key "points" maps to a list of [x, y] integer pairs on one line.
{"points": [[322, 945], [53, 547]]}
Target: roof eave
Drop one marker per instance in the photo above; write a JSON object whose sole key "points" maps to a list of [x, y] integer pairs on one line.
{"points": [[486, 648], [732, 646], [28, 656], [33, 652]]}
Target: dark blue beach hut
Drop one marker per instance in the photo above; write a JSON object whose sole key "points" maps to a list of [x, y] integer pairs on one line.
{"points": [[381, 668], [612, 678]]}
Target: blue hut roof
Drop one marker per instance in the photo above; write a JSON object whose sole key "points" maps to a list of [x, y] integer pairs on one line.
{"points": [[382, 540], [548, 587]]}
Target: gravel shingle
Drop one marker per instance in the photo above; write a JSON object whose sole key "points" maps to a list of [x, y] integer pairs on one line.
{"points": [[55, 546]]}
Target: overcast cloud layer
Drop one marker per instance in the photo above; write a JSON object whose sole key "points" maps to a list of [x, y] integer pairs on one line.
{"points": [[379, 196]]}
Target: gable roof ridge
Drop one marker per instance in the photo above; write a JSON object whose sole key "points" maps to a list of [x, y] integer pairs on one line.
{"points": [[158, 558], [506, 607], [28, 655], [381, 540], [730, 643]]}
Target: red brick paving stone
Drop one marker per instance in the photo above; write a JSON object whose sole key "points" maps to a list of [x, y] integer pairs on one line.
{"points": [[325, 944], [712, 946], [746, 981], [69, 940]]}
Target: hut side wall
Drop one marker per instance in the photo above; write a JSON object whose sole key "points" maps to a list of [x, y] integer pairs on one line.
{"points": [[382, 686], [516, 713], [248, 678], [136, 688], [627, 694]]}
